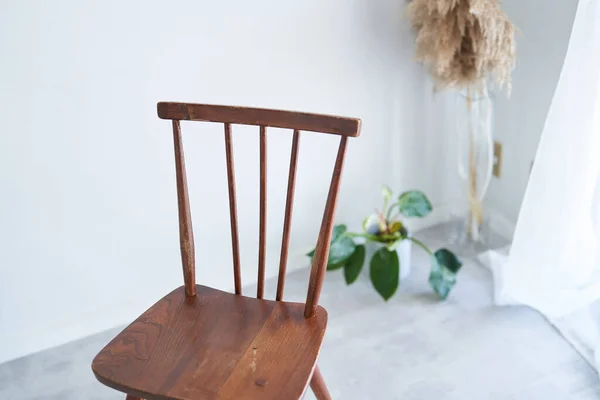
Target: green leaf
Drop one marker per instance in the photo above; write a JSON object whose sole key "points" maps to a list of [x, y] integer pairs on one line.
{"points": [[386, 192], [365, 223], [354, 264], [396, 226], [441, 280], [338, 231], [387, 195], [414, 204], [333, 267], [340, 250], [372, 224], [385, 272], [448, 259], [444, 266]]}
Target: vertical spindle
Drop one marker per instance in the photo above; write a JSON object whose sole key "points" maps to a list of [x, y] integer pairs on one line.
{"points": [[319, 264], [186, 234], [235, 246], [262, 245], [287, 222]]}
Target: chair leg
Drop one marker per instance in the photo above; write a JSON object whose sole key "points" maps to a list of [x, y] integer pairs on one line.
{"points": [[317, 384]]}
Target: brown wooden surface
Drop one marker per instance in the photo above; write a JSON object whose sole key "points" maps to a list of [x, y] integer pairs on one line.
{"points": [[235, 246], [201, 343], [319, 264], [317, 384], [186, 235], [287, 222], [128, 397], [260, 117], [215, 345], [262, 229]]}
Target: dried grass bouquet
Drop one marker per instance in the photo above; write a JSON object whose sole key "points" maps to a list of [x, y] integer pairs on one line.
{"points": [[464, 42]]}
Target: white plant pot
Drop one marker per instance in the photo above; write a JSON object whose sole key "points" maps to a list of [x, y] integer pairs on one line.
{"points": [[404, 255]]}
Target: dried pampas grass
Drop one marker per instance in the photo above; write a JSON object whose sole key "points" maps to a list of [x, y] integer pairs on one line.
{"points": [[464, 42]]}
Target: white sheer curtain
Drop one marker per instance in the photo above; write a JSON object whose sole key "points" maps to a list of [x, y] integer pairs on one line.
{"points": [[554, 261]]}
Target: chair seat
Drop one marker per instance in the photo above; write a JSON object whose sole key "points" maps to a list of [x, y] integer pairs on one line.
{"points": [[215, 345]]}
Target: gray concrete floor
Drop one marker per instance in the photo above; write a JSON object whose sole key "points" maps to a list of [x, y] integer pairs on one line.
{"points": [[413, 347]]}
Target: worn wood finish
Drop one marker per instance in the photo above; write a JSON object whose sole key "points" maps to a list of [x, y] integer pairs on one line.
{"points": [[214, 345], [186, 234], [319, 264], [235, 246], [287, 222], [317, 384], [260, 117], [201, 343], [262, 238]]}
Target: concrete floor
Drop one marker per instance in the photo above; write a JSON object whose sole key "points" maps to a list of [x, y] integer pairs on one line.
{"points": [[411, 348]]}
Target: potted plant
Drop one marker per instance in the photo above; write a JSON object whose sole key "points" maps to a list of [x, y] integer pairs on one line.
{"points": [[390, 263]]}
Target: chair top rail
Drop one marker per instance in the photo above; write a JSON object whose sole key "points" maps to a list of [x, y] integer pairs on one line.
{"points": [[261, 117]]}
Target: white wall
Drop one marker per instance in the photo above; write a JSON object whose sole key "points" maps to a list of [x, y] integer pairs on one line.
{"points": [[542, 44], [88, 218]]}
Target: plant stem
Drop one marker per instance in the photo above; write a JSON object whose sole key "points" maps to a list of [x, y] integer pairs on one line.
{"points": [[421, 245], [385, 204], [367, 236], [394, 217], [389, 213], [383, 220]]}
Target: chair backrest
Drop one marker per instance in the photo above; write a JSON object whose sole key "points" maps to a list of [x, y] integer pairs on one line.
{"points": [[297, 121]]}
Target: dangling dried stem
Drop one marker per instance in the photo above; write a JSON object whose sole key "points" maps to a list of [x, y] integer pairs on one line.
{"points": [[472, 188]]}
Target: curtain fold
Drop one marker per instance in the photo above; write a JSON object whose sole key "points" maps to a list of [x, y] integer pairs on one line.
{"points": [[553, 264]]}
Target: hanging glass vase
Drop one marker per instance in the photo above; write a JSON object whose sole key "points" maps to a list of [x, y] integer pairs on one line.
{"points": [[474, 112]]}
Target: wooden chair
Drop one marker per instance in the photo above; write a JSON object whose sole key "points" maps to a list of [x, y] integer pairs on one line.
{"points": [[202, 343]]}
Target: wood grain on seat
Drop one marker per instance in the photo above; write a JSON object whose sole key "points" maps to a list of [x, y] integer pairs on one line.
{"points": [[214, 345]]}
